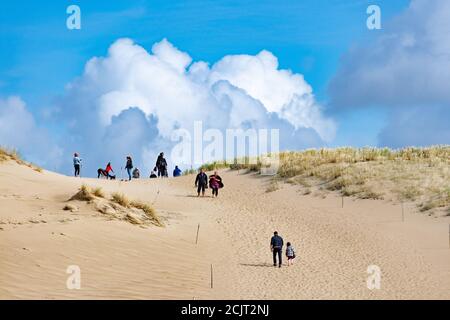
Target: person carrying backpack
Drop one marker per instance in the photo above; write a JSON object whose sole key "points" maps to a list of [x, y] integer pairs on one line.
{"points": [[290, 253]]}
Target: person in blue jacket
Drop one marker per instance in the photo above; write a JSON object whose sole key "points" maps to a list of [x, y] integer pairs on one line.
{"points": [[76, 164], [176, 172]]}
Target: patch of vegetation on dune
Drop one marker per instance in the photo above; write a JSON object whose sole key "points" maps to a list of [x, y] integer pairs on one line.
{"points": [[122, 200], [420, 175], [83, 194], [148, 211], [118, 207], [7, 154]]}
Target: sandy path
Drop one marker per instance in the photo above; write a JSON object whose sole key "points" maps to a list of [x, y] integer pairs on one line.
{"points": [[119, 260], [335, 246]]}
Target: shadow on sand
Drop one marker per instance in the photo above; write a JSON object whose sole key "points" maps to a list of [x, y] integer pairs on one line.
{"points": [[192, 196], [264, 264]]}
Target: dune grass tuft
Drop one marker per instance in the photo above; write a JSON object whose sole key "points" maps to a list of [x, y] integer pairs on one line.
{"points": [[84, 194], [98, 192], [148, 210], [120, 199], [87, 194], [441, 200], [11, 154]]}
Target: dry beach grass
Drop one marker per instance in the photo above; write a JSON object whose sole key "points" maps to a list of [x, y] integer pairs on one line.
{"points": [[419, 175]]}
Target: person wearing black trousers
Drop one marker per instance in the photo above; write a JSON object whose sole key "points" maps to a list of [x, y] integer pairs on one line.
{"points": [[276, 245], [201, 182]]}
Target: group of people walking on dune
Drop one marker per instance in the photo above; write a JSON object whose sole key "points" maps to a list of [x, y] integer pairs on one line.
{"points": [[202, 182], [132, 172], [160, 170]]}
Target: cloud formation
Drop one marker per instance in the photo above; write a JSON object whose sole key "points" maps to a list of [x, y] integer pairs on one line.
{"points": [[405, 69], [132, 100], [19, 131]]}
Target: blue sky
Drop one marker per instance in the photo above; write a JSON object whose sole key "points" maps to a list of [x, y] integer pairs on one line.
{"points": [[308, 37], [39, 56]]}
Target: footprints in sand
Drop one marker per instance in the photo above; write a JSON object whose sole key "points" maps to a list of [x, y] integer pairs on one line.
{"points": [[16, 196], [13, 223], [58, 233], [70, 207]]}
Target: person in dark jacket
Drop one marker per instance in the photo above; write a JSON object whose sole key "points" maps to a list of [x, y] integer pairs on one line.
{"points": [[176, 172], [201, 182], [161, 165], [129, 166], [276, 245]]}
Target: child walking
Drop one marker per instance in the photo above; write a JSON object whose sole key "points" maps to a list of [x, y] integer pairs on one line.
{"points": [[290, 254]]}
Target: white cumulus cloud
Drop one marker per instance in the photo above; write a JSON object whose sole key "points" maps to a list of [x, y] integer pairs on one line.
{"points": [[131, 100]]}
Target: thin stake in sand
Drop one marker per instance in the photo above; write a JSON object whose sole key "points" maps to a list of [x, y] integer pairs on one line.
{"points": [[403, 213], [342, 201], [211, 276], [196, 238]]}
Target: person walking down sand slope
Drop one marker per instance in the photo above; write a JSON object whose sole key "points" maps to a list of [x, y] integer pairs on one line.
{"points": [[201, 182], [215, 183], [76, 164], [276, 245]]}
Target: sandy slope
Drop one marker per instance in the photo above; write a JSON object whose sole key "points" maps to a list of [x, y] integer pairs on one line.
{"points": [[38, 241]]}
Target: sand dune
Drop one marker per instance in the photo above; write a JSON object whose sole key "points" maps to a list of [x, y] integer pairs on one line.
{"points": [[120, 260]]}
